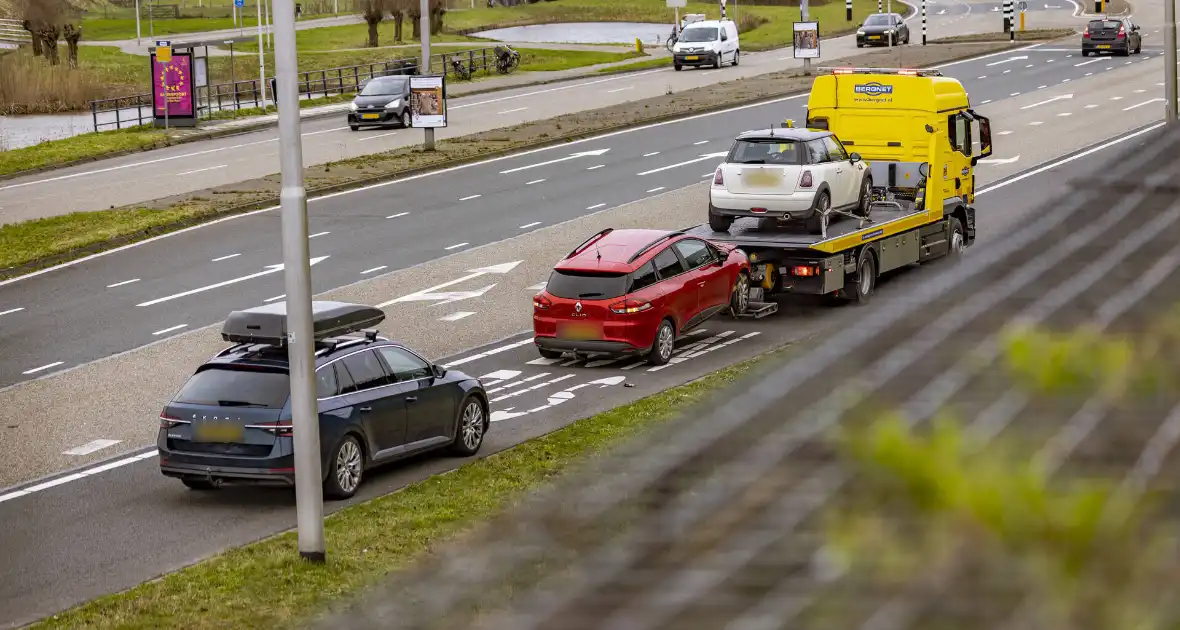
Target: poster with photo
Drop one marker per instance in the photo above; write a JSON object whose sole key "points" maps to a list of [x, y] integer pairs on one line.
{"points": [[428, 103], [806, 40]]}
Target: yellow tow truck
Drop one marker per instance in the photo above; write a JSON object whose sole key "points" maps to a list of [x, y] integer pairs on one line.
{"points": [[919, 141]]}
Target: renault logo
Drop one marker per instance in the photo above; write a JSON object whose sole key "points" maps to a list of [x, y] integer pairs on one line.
{"points": [[578, 307]]}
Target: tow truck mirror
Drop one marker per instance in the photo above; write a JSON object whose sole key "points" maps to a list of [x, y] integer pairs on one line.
{"points": [[929, 129]]}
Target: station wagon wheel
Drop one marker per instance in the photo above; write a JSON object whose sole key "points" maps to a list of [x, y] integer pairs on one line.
{"points": [[739, 301], [346, 468], [661, 350], [471, 428]]}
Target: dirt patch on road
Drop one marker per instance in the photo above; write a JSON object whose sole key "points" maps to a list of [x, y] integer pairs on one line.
{"points": [[28, 246]]}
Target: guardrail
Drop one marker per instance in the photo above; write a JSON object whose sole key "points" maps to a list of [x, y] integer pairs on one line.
{"points": [[751, 513], [221, 98], [13, 32]]}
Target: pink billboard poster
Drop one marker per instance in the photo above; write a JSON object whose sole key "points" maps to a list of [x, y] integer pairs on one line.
{"points": [[172, 83]]}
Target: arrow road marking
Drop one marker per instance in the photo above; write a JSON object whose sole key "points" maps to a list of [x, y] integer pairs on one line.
{"points": [[1047, 101], [704, 156], [1008, 60], [534, 387], [427, 295], [269, 270], [555, 399], [499, 376], [573, 156], [1000, 161]]}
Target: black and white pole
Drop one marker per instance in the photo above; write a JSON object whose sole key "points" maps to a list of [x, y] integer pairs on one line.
{"points": [[878, 6], [848, 10], [1007, 16], [923, 22]]}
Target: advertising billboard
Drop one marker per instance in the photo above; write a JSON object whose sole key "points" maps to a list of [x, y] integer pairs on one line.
{"points": [[173, 87], [428, 101], [806, 40]]}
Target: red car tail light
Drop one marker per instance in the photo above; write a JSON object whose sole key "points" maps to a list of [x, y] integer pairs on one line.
{"points": [[805, 180], [718, 179], [1086, 34], [629, 306], [1122, 32], [279, 429], [540, 302]]}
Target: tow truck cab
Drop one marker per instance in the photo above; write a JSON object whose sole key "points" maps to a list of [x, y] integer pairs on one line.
{"points": [[921, 140]]}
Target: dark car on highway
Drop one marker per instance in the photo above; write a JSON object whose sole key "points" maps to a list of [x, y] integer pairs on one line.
{"points": [[878, 28], [633, 292], [383, 101], [379, 401], [1117, 36]]}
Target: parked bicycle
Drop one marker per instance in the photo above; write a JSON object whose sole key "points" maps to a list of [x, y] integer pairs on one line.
{"points": [[672, 39], [462, 72], [507, 59]]}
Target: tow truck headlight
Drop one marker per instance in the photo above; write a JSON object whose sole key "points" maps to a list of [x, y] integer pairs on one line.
{"points": [[394, 103]]}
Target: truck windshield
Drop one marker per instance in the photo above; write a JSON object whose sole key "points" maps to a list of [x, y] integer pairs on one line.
{"points": [[766, 151], [699, 34]]}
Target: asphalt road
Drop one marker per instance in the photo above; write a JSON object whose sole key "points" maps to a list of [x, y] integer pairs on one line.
{"points": [[140, 294], [109, 527], [186, 168]]}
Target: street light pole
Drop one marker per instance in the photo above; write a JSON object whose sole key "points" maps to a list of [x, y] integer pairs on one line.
{"points": [[262, 59], [803, 15], [424, 67], [138, 34], [1170, 61], [309, 498]]}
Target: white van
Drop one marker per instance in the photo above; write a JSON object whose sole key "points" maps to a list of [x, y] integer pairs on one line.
{"points": [[709, 42]]}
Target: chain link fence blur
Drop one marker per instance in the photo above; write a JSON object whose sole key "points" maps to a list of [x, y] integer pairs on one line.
{"points": [[993, 450]]}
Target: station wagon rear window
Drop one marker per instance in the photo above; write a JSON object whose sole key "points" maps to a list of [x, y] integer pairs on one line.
{"points": [[766, 151], [587, 285], [228, 387]]}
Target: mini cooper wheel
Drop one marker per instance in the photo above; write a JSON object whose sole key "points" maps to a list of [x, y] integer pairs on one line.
{"points": [[866, 196], [472, 426], [661, 350], [720, 222], [346, 469]]}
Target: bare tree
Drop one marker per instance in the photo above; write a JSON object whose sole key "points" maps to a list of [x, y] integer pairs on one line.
{"points": [[44, 20], [399, 9], [437, 11], [72, 33], [373, 11], [50, 34], [415, 14], [34, 36]]}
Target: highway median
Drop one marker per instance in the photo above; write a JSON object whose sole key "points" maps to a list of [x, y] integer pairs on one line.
{"points": [[32, 245], [266, 585]]}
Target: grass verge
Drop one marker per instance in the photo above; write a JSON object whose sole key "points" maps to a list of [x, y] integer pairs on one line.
{"points": [[643, 64], [1032, 35], [23, 246], [78, 148], [266, 585]]}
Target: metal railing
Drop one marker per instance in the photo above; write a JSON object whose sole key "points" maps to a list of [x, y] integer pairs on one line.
{"points": [[222, 99], [724, 519], [13, 32]]}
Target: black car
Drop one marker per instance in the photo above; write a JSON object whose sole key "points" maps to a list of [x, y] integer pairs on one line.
{"points": [[379, 401], [1111, 35], [382, 101], [879, 27]]}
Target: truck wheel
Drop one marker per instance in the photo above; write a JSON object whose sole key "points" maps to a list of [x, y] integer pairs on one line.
{"points": [[866, 196], [860, 286], [956, 239], [719, 223]]}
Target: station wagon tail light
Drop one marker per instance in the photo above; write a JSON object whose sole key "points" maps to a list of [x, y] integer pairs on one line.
{"points": [[168, 421], [805, 180], [279, 429], [805, 271], [541, 302], [630, 306], [718, 179]]}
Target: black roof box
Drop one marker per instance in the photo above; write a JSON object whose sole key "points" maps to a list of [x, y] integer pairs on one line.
{"points": [[268, 324]]}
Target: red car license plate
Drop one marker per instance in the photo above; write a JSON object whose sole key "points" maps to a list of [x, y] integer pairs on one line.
{"points": [[579, 331]]}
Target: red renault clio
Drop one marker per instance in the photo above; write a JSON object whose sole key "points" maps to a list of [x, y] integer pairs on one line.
{"points": [[632, 292]]}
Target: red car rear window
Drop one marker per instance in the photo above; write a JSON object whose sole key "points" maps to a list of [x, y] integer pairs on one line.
{"points": [[587, 285]]}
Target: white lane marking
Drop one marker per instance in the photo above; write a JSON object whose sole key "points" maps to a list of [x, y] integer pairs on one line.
{"points": [[534, 387], [319, 234], [400, 214], [1140, 91], [119, 284], [535, 181], [598, 166], [1029, 66], [1066, 80], [499, 376], [1065, 114], [221, 258], [697, 144], [1035, 123], [597, 205], [1089, 74], [445, 170], [651, 154], [656, 189], [91, 447], [985, 102], [1049, 61], [168, 330], [43, 367], [12, 310], [623, 89], [316, 133], [78, 475], [456, 316], [556, 89], [1147, 102], [981, 77], [1116, 98], [1041, 87], [470, 197], [368, 271], [1091, 106], [529, 225], [380, 135], [1077, 65], [527, 379], [456, 246], [489, 353], [275, 298], [602, 362], [202, 170], [269, 269], [1007, 71], [542, 361], [1014, 94], [537, 287], [510, 111]]}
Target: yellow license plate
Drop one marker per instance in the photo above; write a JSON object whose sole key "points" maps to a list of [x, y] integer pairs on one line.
{"points": [[218, 432], [578, 331], [691, 58], [1104, 45], [874, 37], [370, 116]]}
